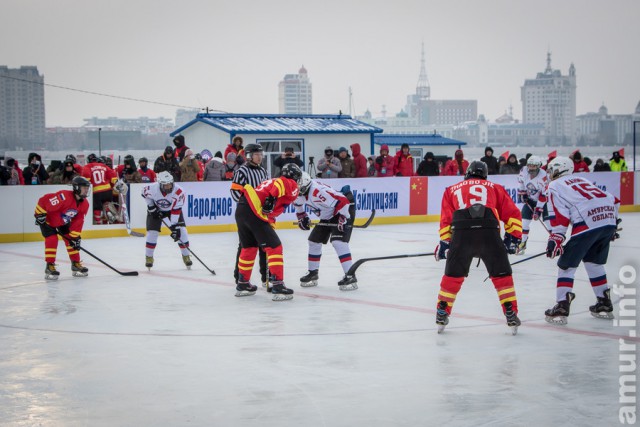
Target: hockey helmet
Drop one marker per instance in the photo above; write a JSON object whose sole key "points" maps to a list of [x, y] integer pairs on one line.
{"points": [[72, 158], [92, 158], [477, 169], [560, 166], [77, 183], [252, 148], [533, 165], [304, 183], [292, 171], [165, 180], [143, 160]]}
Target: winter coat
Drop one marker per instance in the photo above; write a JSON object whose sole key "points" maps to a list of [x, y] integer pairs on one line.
{"points": [[348, 168], [580, 166], [281, 161], [232, 149], [510, 168], [492, 163], [131, 177], [620, 166], [214, 170], [38, 178], [428, 168], [385, 165], [451, 168], [329, 168], [170, 165], [359, 161], [403, 164], [189, 169], [61, 177], [604, 167]]}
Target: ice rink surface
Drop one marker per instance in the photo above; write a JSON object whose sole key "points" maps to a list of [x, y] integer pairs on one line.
{"points": [[174, 347]]}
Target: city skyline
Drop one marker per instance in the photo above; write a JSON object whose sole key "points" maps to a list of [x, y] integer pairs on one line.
{"points": [[229, 56]]}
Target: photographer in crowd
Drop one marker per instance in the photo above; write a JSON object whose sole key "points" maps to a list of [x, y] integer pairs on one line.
{"points": [[288, 156]]}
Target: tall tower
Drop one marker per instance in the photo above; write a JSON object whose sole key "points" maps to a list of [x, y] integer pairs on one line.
{"points": [[21, 107], [550, 99], [294, 93], [422, 88]]}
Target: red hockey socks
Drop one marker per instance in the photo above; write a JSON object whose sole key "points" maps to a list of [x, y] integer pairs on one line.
{"points": [[50, 248], [449, 288], [506, 291], [275, 263], [245, 263]]}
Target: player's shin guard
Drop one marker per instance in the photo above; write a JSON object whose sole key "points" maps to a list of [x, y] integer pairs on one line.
{"points": [[449, 288], [598, 278], [275, 263], [245, 263], [315, 253], [506, 292], [97, 217], [152, 241], [564, 283], [183, 243], [344, 254], [50, 248]]}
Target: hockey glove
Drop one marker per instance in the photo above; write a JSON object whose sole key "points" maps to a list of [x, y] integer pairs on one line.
{"points": [[342, 223], [616, 234], [442, 250], [554, 245], [154, 212], [75, 243], [511, 243], [64, 229], [537, 213], [268, 205], [41, 219], [175, 232], [121, 187], [523, 197], [303, 221]]}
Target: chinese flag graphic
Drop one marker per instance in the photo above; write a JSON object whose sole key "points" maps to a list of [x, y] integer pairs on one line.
{"points": [[626, 188], [418, 195]]}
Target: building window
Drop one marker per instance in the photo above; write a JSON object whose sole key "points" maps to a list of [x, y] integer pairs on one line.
{"points": [[273, 148]]}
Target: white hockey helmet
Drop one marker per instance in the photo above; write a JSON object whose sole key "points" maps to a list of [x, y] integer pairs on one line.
{"points": [[304, 183], [560, 166], [165, 180], [534, 164]]}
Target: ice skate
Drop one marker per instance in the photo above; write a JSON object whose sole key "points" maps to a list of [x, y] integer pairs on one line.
{"points": [[603, 308], [310, 279], [348, 283], [245, 289], [442, 317], [50, 272], [148, 262], [79, 270], [187, 261], [522, 247], [512, 318], [280, 292], [559, 313]]}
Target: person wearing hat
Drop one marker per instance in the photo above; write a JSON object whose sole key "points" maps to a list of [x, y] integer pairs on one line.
{"points": [[181, 148], [601, 166], [511, 167], [288, 156], [404, 162], [215, 168], [235, 147], [189, 167], [35, 173], [146, 174], [348, 167], [579, 165], [167, 162], [359, 161], [456, 166], [371, 166], [64, 175], [490, 160], [329, 166], [385, 164], [428, 166], [617, 163]]}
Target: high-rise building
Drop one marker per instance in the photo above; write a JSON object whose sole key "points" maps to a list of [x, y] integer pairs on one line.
{"points": [[21, 107], [429, 111], [550, 99], [294, 93]]}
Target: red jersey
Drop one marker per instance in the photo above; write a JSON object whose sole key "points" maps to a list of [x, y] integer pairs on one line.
{"points": [[101, 177], [147, 176], [284, 189], [63, 208], [473, 191]]}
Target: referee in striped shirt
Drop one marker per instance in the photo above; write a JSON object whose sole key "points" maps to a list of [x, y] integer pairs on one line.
{"points": [[252, 173]]}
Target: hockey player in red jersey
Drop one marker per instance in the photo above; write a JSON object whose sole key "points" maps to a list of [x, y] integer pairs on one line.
{"points": [[102, 178], [63, 212], [256, 213], [470, 227], [593, 216]]}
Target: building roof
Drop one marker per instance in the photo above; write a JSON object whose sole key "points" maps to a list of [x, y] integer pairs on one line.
{"points": [[281, 123], [428, 139]]}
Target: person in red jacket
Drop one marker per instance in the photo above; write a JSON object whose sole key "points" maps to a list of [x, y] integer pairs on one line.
{"points": [[102, 178], [457, 166], [385, 164], [404, 162], [470, 228], [63, 212], [146, 174], [579, 165], [181, 148], [359, 161], [235, 147], [256, 214]]}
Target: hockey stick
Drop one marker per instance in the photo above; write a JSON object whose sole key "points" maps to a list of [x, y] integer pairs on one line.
{"points": [[522, 260], [358, 263], [328, 224], [125, 214], [190, 251], [122, 273]]}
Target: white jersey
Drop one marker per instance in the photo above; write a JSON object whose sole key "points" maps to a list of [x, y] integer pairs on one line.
{"points": [[323, 200], [536, 187], [168, 203], [577, 201]]}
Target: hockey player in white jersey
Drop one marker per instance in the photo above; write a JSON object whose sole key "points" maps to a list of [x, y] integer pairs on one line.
{"points": [[336, 211], [165, 200], [532, 191], [593, 216]]}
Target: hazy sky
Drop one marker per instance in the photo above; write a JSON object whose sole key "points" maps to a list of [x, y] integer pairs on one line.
{"points": [[230, 55]]}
